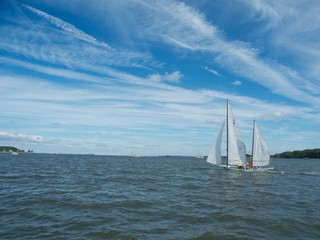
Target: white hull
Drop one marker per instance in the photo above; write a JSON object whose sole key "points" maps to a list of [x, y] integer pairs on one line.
{"points": [[229, 168]]}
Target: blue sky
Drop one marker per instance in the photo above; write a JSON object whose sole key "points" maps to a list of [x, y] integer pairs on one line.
{"points": [[152, 77]]}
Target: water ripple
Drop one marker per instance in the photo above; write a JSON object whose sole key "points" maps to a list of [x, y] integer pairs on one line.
{"points": [[98, 197]]}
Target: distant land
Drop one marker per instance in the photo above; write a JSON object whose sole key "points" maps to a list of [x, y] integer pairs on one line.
{"points": [[307, 153], [12, 149]]}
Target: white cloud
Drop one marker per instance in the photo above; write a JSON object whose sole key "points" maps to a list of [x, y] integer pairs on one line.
{"points": [[179, 25], [170, 22], [147, 112], [47, 42], [236, 83], [215, 72], [154, 77], [263, 11], [66, 27], [292, 32], [20, 137], [174, 77]]}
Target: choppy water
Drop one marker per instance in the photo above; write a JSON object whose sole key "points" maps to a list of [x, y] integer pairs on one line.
{"points": [[102, 197]]}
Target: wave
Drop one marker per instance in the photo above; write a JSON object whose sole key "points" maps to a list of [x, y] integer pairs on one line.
{"points": [[307, 173]]}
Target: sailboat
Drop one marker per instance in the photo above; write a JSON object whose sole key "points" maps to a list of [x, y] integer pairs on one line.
{"points": [[236, 150], [134, 154], [199, 155]]}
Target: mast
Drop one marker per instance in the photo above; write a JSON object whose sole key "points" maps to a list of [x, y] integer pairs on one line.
{"points": [[251, 160], [227, 131]]}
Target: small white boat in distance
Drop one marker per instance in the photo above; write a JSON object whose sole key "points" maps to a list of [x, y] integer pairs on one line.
{"points": [[199, 155]]}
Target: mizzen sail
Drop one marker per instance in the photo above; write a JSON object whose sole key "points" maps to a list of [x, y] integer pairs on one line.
{"points": [[260, 155]]}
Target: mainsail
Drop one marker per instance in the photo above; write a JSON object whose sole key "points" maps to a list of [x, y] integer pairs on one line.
{"points": [[260, 154], [236, 148], [236, 151], [214, 156]]}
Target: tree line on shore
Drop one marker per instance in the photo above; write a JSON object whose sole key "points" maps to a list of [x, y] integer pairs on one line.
{"points": [[12, 149], [307, 153]]}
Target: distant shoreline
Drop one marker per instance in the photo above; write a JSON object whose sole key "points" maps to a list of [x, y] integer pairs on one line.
{"points": [[297, 154], [303, 154]]}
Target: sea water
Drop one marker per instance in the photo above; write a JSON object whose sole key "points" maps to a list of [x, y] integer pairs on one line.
{"points": [[45, 196]]}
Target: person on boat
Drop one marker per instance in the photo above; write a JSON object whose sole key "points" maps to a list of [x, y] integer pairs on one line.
{"points": [[239, 166], [250, 163], [247, 166]]}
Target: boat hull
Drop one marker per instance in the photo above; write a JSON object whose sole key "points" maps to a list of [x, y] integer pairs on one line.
{"points": [[247, 170]]}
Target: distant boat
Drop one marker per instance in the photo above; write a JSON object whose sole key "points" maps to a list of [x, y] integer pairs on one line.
{"points": [[14, 153], [134, 154], [199, 155], [236, 150]]}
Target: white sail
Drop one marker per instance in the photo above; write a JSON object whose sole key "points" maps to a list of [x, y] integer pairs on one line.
{"points": [[236, 147], [261, 156], [214, 156]]}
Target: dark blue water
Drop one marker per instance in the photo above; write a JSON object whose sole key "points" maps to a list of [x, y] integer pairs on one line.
{"points": [[46, 196]]}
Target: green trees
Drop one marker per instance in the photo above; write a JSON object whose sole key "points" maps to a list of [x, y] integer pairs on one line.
{"points": [[307, 153], [8, 149], [12, 149]]}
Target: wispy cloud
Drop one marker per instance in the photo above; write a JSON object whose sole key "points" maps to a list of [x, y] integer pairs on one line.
{"points": [[147, 112], [295, 36], [66, 27], [185, 28], [263, 11], [236, 83], [83, 50], [176, 29], [214, 72]]}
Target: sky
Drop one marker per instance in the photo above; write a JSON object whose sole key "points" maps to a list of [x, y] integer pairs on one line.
{"points": [[152, 77]]}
